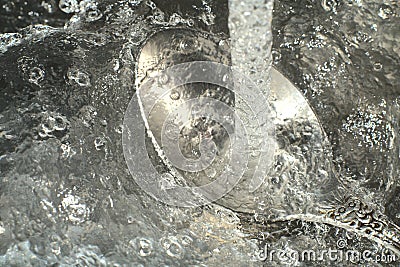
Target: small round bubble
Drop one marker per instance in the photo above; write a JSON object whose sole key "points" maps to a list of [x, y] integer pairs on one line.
{"points": [[36, 75], [81, 78], [68, 6], [175, 95], [93, 14]]}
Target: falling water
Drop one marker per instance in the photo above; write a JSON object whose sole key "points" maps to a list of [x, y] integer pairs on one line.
{"points": [[251, 39]]}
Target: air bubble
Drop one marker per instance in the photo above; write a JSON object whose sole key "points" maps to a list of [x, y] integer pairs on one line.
{"points": [[190, 22], [76, 211], [330, 5], [69, 6], [276, 56], [119, 129], [225, 78], [208, 18], [169, 130], [175, 95], [93, 14], [60, 124], [151, 4], [175, 19], [143, 246], [52, 123], [135, 2], [227, 216], [188, 45], [36, 75], [163, 79], [97, 39], [385, 12], [99, 142], [159, 17], [81, 78], [378, 66], [186, 240], [172, 247], [275, 180], [210, 172]]}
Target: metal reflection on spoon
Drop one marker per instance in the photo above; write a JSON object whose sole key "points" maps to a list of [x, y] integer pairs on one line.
{"points": [[292, 112]]}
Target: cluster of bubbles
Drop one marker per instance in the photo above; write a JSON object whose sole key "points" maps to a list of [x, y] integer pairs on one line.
{"points": [[171, 245], [330, 5], [371, 127], [160, 18], [386, 11], [9, 40], [74, 207], [89, 8], [51, 124]]}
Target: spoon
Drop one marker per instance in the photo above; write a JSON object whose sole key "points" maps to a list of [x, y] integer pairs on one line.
{"points": [[300, 184], [292, 115]]}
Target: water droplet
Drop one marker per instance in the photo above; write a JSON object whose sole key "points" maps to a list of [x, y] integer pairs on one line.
{"points": [[69, 6]]}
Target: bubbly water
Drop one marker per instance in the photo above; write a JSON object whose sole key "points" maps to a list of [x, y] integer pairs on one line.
{"points": [[66, 196]]}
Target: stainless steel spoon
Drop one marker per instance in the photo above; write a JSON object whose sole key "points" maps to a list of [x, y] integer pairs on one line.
{"points": [[174, 46], [301, 183]]}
